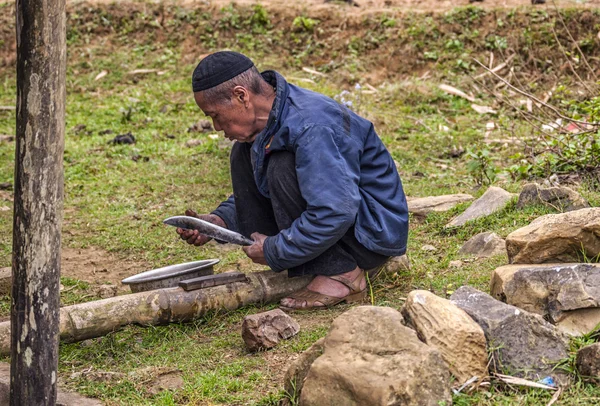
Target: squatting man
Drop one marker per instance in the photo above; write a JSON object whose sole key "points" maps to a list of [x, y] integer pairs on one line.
{"points": [[313, 184]]}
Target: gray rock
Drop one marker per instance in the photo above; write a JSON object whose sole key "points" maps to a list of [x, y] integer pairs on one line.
{"points": [[588, 361], [370, 358], [484, 245], [560, 197], [551, 290], [523, 343], [442, 325], [5, 281], [424, 205], [263, 331], [556, 238], [428, 248], [494, 199], [63, 398]]}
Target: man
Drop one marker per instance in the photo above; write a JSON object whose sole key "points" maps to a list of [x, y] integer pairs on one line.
{"points": [[313, 185]]}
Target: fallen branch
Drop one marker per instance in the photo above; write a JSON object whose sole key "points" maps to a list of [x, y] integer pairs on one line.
{"points": [[532, 97], [513, 380], [94, 319], [497, 68]]}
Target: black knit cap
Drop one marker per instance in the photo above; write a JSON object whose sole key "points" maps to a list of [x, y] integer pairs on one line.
{"points": [[218, 68]]}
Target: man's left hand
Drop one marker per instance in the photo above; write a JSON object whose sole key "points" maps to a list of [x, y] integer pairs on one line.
{"points": [[255, 251]]}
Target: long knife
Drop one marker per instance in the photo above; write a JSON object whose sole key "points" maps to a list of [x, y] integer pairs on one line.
{"points": [[209, 229]]}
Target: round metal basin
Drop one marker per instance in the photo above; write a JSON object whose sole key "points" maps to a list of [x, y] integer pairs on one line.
{"points": [[169, 276]]}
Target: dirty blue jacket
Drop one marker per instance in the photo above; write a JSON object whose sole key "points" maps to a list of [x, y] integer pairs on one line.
{"points": [[345, 174]]}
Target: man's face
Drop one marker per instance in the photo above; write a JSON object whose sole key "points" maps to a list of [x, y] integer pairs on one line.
{"points": [[235, 118]]}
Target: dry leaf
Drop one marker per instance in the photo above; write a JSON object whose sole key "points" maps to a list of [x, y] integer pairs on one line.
{"points": [[101, 75]]}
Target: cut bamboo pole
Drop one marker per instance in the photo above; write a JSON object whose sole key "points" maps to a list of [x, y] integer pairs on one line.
{"points": [[94, 319]]}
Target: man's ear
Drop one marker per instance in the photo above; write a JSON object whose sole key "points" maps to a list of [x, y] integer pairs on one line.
{"points": [[241, 95]]}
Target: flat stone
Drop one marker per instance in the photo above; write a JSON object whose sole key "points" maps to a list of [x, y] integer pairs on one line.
{"points": [[424, 205], [548, 290], [561, 198], [370, 358], [579, 322], [494, 199], [63, 398], [263, 331], [484, 245], [556, 238], [523, 343], [428, 248], [588, 361], [442, 325], [5, 281]]}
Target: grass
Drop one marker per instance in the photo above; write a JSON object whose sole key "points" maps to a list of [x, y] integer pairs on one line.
{"points": [[117, 195]]}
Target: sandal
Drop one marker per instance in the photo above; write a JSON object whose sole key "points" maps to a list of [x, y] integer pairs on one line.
{"points": [[311, 297]]}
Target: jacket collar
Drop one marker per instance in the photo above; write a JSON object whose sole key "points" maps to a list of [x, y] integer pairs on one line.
{"points": [[273, 123]]}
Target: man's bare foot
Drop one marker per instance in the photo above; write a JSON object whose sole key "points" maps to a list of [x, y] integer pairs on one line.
{"points": [[326, 286]]}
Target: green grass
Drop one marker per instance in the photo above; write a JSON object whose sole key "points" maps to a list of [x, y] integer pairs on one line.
{"points": [[116, 196]]}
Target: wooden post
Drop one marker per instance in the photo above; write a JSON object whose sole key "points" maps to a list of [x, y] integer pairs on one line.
{"points": [[41, 69]]}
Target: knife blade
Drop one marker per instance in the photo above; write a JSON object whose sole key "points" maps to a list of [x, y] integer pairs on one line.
{"points": [[209, 229]]}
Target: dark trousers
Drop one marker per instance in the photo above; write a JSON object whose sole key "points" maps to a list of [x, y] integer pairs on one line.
{"points": [[256, 213]]}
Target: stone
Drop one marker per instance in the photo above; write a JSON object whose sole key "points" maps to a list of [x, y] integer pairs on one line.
{"points": [[397, 264], [549, 290], [295, 376], [194, 142], [425, 205], [579, 322], [5, 281], [370, 358], [494, 199], [167, 381], [442, 325], [428, 248], [588, 361], [561, 198], [106, 291], [63, 398], [523, 344], [484, 245], [556, 238], [456, 264], [263, 331]]}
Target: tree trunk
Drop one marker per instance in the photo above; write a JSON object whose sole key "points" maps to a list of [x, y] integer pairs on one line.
{"points": [[94, 319], [41, 69]]}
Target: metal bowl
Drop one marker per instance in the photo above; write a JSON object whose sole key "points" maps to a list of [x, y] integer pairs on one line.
{"points": [[169, 276]]}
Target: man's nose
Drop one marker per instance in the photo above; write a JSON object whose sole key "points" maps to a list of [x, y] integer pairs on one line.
{"points": [[216, 126]]}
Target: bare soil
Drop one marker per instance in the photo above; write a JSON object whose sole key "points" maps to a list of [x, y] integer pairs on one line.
{"points": [[364, 6], [98, 267]]}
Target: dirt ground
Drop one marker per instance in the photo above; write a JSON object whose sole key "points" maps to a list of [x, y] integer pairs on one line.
{"points": [[361, 6], [98, 267]]}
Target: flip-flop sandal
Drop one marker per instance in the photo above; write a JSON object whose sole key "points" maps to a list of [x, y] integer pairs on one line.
{"points": [[311, 298]]}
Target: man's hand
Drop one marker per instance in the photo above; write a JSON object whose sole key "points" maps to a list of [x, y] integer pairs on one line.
{"points": [[193, 237], [255, 251]]}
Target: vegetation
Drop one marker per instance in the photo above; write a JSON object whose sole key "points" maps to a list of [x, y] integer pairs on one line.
{"points": [[116, 195]]}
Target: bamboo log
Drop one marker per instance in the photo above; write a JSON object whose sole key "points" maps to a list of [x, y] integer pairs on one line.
{"points": [[94, 319]]}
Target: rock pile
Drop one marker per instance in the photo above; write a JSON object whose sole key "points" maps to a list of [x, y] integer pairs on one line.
{"points": [[377, 355]]}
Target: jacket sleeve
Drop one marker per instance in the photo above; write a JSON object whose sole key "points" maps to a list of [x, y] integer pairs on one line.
{"points": [[328, 171], [226, 211]]}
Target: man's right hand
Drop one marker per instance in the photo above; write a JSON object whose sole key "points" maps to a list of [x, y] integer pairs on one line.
{"points": [[193, 237]]}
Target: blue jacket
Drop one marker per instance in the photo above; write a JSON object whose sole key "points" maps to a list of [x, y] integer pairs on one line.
{"points": [[345, 173]]}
